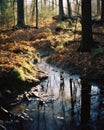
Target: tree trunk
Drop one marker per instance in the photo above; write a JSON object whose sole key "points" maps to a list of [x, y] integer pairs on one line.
{"points": [[61, 10], [87, 40], [33, 9], [98, 7], [45, 2], [69, 8], [20, 13], [76, 7], [102, 11], [37, 14], [53, 6]]}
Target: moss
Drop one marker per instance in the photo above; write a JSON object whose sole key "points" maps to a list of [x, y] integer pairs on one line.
{"points": [[26, 73], [18, 74]]}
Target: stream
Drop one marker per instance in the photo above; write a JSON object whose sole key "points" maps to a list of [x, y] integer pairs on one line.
{"points": [[59, 103]]}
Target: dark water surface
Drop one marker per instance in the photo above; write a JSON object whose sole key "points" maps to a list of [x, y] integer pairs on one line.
{"points": [[63, 105]]}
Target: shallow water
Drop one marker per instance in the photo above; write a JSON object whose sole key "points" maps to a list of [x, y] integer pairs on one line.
{"points": [[61, 104]]}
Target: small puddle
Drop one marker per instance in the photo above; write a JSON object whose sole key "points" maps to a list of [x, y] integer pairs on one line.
{"points": [[61, 104]]}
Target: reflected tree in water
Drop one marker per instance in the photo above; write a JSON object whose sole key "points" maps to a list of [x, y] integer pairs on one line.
{"points": [[85, 104]]}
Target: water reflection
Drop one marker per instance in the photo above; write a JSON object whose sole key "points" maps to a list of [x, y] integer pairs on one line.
{"points": [[85, 104], [69, 104]]}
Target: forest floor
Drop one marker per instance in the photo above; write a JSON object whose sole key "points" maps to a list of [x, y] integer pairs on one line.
{"points": [[21, 49]]}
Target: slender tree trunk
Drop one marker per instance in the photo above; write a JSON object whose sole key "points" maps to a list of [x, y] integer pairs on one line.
{"points": [[87, 40], [98, 7], [49, 4], [37, 14], [20, 13], [76, 8], [26, 12], [56, 7], [102, 11], [13, 12], [41, 3], [45, 2], [69, 8], [61, 10], [53, 6], [33, 9]]}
